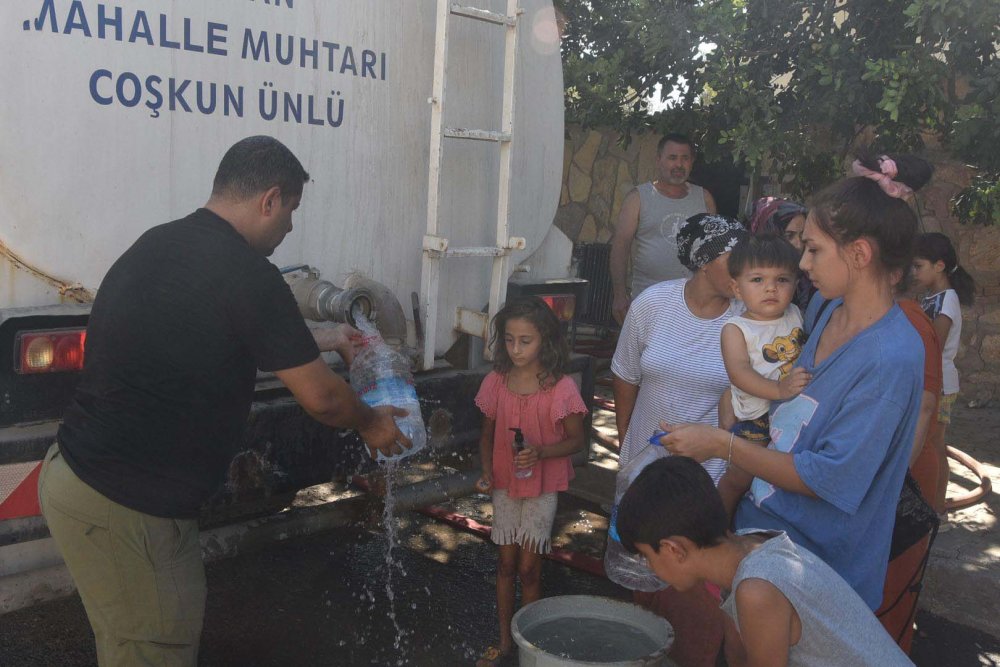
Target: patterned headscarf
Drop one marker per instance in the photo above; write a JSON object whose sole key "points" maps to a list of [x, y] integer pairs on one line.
{"points": [[706, 236], [771, 215]]}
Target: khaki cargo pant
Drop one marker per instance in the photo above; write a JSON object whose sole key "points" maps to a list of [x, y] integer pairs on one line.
{"points": [[140, 577]]}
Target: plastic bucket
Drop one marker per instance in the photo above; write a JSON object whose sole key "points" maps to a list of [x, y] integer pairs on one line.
{"points": [[590, 608]]}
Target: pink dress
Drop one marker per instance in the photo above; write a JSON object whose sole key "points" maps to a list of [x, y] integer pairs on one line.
{"points": [[540, 417]]}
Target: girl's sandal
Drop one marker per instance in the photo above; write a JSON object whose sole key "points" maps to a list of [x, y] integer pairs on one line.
{"points": [[492, 657]]}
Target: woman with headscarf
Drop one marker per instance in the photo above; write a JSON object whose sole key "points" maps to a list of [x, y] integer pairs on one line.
{"points": [[668, 367], [787, 219]]}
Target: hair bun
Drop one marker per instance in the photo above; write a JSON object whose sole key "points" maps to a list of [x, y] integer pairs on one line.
{"points": [[912, 171]]}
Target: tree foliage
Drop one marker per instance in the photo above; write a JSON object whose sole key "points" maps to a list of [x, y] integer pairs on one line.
{"points": [[790, 84]]}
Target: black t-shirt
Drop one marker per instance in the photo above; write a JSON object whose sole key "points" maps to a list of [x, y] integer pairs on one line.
{"points": [[181, 323]]}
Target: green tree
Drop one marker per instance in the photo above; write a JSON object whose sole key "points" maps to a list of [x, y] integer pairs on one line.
{"points": [[791, 85]]}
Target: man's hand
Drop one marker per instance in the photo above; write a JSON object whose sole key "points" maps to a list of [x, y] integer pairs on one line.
{"points": [[619, 307], [381, 433], [342, 339], [621, 248], [792, 384]]}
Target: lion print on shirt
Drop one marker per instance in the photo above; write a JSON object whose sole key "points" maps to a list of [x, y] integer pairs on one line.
{"points": [[785, 349]]}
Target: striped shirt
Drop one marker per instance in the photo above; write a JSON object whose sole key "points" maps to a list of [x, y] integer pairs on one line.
{"points": [[675, 358]]}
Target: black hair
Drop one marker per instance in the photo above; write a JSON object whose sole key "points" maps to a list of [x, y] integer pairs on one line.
{"points": [[857, 207], [936, 247], [671, 497], [256, 164], [763, 250], [675, 138], [554, 353]]}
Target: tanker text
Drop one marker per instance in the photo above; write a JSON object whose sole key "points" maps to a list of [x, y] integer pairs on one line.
{"points": [[205, 97]]}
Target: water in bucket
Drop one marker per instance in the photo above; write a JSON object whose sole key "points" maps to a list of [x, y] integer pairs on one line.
{"points": [[577, 630], [591, 639]]}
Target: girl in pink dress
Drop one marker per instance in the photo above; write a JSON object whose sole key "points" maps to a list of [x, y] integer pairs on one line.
{"points": [[527, 390]]}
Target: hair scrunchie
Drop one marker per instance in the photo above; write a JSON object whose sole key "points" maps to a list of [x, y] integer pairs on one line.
{"points": [[884, 177]]}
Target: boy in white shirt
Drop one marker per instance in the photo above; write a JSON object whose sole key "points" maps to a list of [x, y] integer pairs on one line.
{"points": [[791, 608]]}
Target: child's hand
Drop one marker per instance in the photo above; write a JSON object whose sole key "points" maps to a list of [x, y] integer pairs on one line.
{"points": [[792, 384], [527, 457], [485, 483]]}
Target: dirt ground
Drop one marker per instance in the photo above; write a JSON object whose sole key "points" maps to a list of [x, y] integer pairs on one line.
{"points": [[963, 578]]}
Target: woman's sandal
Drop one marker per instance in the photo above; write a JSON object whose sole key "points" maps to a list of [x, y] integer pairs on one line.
{"points": [[492, 657]]}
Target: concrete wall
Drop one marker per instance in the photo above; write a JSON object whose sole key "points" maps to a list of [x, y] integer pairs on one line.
{"points": [[598, 173]]}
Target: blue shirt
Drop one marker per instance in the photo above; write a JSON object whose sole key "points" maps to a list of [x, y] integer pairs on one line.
{"points": [[850, 434]]}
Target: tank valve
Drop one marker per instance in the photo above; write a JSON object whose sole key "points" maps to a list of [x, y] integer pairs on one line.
{"points": [[322, 301]]}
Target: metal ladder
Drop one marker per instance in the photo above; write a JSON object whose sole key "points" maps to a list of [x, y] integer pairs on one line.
{"points": [[435, 247]]}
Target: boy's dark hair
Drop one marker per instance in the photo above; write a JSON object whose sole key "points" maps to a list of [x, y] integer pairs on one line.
{"points": [[671, 497], [554, 353], [675, 138], [857, 207], [766, 251], [936, 247], [256, 164]]}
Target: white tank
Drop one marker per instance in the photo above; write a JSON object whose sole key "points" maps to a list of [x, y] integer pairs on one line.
{"points": [[114, 117]]}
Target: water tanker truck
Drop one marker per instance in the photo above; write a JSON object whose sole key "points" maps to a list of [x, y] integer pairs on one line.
{"points": [[433, 134]]}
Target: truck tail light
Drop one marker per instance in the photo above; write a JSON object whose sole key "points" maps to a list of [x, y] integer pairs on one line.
{"points": [[49, 351], [563, 305]]}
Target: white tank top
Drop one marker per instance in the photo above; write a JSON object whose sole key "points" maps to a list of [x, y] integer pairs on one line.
{"points": [[655, 245], [773, 347]]}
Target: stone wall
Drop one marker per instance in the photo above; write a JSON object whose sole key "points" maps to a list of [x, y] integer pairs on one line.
{"points": [[978, 248], [598, 173]]}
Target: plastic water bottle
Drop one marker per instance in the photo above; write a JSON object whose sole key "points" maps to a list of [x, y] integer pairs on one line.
{"points": [[381, 376], [623, 568], [520, 473]]}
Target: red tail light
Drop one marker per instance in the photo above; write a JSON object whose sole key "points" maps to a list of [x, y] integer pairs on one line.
{"points": [[51, 351], [563, 305]]}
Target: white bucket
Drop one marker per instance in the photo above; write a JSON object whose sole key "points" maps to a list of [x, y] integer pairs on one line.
{"points": [[590, 607]]}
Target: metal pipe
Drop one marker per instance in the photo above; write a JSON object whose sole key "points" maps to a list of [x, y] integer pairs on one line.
{"points": [[438, 490], [255, 534], [429, 492], [322, 301]]}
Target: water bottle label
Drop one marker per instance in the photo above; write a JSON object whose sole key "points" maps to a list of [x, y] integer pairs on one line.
{"points": [[613, 525], [389, 391]]}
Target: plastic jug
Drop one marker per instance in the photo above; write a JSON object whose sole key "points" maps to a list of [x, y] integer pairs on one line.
{"points": [[623, 568], [381, 376]]}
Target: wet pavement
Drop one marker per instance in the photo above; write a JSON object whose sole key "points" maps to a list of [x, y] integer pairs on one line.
{"points": [[322, 600]]}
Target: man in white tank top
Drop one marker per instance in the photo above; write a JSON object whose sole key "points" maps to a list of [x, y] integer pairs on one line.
{"points": [[651, 215]]}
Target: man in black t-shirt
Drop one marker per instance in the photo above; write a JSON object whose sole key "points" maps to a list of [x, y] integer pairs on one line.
{"points": [[181, 323]]}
